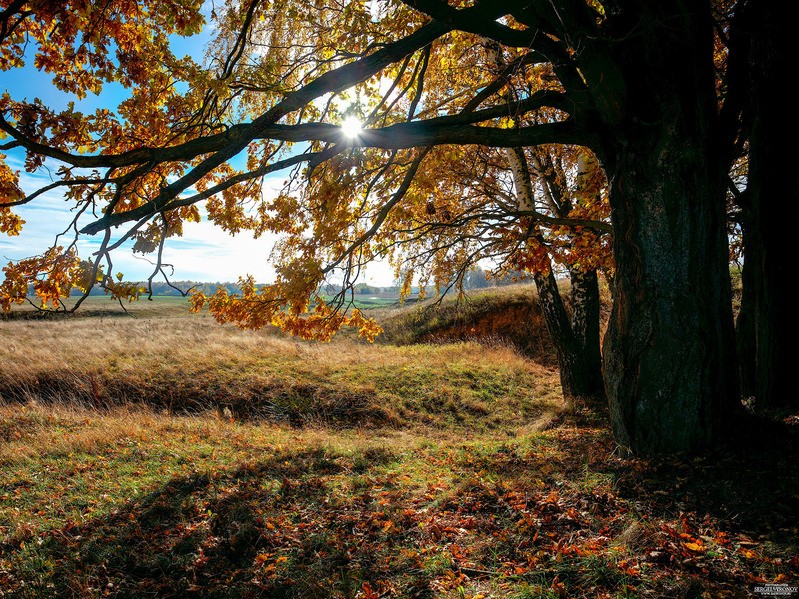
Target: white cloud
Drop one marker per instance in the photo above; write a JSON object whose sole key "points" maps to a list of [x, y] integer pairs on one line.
{"points": [[204, 252]]}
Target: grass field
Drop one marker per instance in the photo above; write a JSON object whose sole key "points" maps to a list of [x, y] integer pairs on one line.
{"points": [[160, 454]]}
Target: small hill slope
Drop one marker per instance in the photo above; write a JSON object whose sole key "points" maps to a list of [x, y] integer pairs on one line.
{"points": [[505, 316]]}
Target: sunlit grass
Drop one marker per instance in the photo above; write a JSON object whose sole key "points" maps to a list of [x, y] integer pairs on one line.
{"points": [[136, 502], [190, 364], [162, 454]]}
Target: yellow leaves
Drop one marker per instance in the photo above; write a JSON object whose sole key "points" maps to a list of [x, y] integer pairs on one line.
{"points": [[506, 123], [367, 327], [192, 214], [272, 305], [10, 223], [348, 211], [121, 290], [74, 42], [694, 546], [533, 257], [51, 277], [147, 240], [197, 300], [9, 183], [86, 277]]}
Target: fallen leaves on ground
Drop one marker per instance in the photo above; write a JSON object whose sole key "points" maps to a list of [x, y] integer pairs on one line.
{"points": [[559, 513]]}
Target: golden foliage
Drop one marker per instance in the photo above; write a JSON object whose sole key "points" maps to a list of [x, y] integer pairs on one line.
{"points": [[433, 211]]}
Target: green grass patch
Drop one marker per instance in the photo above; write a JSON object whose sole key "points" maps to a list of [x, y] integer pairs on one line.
{"points": [[164, 455], [180, 505]]}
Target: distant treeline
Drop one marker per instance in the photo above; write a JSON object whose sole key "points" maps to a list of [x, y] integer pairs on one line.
{"points": [[161, 288], [475, 279]]}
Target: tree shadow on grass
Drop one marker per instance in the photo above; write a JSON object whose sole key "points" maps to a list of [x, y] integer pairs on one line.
{"points": [[275, 529], [749, 485], [557, 514], [720, 524], [726, 520]]}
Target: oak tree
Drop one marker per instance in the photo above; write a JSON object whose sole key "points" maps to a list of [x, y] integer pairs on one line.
{"points": [[633, 82]]}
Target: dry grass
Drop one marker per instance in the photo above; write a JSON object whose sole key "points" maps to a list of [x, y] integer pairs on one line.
{"points": [[418, 471], [508, 316], [31, 430], [191, 364]]}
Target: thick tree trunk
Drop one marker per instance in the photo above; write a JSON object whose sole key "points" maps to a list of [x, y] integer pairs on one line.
{"points": [[580, 368], [670, 368], [773, 190]]}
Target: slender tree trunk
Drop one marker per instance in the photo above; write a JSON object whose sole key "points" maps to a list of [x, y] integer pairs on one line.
{"points": [[745, 330], [585, 325], [580, 374], [669, 353], [773, 189], [577, 339]]}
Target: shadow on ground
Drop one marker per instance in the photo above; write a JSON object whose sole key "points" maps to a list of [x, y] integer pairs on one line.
{"points": [[558, 514]]}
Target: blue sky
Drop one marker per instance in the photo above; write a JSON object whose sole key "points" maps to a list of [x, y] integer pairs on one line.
{"points": [[204, 253]]}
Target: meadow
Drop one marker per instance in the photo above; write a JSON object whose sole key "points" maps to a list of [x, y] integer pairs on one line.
{"points": [[157, 453]]}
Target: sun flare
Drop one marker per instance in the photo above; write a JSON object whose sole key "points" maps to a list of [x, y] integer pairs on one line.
{"points": [[351, 127]]}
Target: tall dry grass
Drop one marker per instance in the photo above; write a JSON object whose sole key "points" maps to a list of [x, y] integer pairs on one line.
{"points": [[192, 364]]}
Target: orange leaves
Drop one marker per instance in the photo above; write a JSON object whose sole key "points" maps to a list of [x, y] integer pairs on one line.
{"points": [[747, 553], [274, 305], [367, 327], [534, 257], [74, 40], [10, 190], [435, 212], [123, 290], [51, 277], [10, 223], [367, 592]]}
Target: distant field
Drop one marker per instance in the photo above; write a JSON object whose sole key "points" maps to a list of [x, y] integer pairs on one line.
{"points": [[159, 306], [159, 354], [157, 453], [174, 305]]}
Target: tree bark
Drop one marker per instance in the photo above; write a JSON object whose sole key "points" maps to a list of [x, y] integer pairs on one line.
{"points": [[577, 339], [585, 325], [670, 368], [773, 191], [578, 360]]}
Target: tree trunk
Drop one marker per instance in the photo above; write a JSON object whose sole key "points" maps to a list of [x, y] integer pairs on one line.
{"points": [[669, 354], [669, 370], [745, 331], [580, 372], [585, 324], [773, 190], [576, 341]]}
